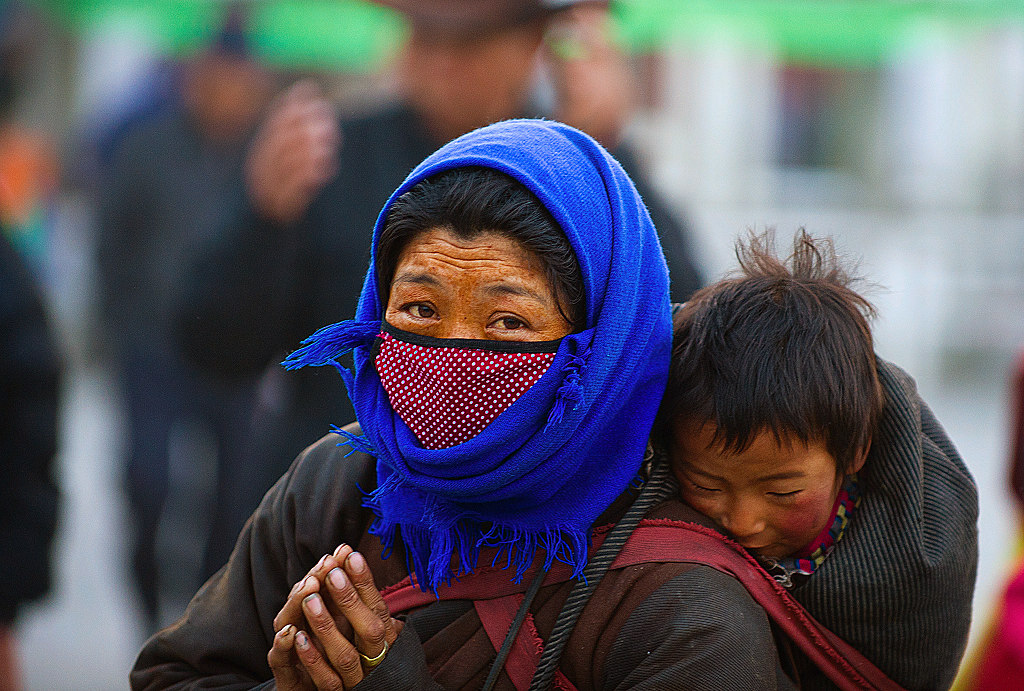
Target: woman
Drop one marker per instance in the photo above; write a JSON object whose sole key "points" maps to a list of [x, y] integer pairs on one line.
{"points": [[510, 350]]}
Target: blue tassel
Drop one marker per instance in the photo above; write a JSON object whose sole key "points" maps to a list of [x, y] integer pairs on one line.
{"points": [[386, 532], [381, 528], [372, 500], [571, 390], [331, 342], [417, 553], [519, 548], [356, 442], [428, 551]]}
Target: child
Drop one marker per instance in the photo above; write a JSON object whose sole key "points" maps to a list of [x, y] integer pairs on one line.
{"points": [[822, 461]]}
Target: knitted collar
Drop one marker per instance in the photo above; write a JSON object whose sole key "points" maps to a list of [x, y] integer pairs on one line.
{"points": [[541, 472], [806, 561]]}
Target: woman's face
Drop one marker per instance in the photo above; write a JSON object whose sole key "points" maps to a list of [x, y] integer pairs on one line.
{"points": [[488, 288]]}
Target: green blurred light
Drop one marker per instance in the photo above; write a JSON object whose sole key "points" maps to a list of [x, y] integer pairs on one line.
{"points": [[356, 35], [341, 34]]}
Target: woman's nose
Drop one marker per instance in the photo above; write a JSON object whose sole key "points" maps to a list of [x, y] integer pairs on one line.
{"points": [[458, 326]]}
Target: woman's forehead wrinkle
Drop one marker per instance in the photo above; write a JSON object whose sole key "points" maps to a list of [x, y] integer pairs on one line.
{"points": [[514, 288], [416, 277]]}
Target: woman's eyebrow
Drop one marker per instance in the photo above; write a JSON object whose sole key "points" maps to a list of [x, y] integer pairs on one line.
{"points": [[504, 288], [417, 277]]}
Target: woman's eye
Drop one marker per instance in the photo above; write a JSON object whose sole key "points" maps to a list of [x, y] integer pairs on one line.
{"points": [[422, 311], [511, 323]]}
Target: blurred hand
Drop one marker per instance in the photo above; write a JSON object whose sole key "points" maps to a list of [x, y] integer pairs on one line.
{"points": [[294, 153], [590, 74]]}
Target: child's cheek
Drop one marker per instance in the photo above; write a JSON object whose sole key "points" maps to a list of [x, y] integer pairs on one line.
{"points": [[806, 516]]}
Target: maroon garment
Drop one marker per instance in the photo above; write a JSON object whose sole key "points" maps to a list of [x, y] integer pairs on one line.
{"points": [[1002, 664], [497, 601]]}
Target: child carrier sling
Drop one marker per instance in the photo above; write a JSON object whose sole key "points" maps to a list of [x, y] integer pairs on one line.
{"points": [[498, 601]]}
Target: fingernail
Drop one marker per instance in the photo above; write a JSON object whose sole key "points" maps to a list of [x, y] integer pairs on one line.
{"points": [[337, 578], [286, 630], [301, 640], [309, 582], [314, 604], [356, 562], [340, 547], [320, 563]]}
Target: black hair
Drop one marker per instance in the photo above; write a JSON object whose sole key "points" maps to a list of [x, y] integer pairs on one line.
{"points": [[472, 200], [782, 346]]}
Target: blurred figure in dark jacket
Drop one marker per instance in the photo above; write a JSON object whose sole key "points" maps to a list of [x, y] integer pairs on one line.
{"points": [[29, 399], [293, 257], [169, 190]]}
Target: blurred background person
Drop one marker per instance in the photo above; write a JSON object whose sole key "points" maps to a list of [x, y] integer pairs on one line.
{"points": [[169, 188], [293, 256], [30, 364], [30, 375]]}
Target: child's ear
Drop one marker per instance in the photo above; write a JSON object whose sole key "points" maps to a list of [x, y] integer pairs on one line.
{"points": [[858, 462]]}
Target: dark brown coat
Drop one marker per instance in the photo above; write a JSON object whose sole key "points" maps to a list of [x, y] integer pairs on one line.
{"points": [[653, 626]]}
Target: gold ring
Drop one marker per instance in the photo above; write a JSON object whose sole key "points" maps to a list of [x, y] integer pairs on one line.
{"points": [[371, 662]]}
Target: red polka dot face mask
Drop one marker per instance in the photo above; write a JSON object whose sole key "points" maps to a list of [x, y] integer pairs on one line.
{"points": [[448, 390]]}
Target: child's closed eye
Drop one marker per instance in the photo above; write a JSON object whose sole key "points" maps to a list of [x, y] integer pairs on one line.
{"points": [[701, 488], [786, 495]]}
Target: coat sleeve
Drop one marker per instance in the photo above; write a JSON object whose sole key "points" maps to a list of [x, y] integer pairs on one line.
{"points": [[222, 640], [404, 668], [701, 630]]}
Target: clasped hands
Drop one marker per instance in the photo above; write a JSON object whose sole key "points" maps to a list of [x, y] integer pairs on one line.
{"points": [[333, 629]]}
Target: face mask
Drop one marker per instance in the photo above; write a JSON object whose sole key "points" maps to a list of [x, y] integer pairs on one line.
{"points": [[448, 390]]}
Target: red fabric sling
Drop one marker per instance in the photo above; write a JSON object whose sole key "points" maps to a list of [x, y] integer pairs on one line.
{"points": [[496, 615], [496, 599]]}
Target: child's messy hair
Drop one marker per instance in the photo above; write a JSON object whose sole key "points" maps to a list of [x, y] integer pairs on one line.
{"points": [[781, 346]]}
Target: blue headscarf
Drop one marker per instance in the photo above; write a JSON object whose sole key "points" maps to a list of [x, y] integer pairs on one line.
{"points": [[543, 470]]}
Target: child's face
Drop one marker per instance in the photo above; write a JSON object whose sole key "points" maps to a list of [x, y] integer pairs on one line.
{"points": [[772, 498]]}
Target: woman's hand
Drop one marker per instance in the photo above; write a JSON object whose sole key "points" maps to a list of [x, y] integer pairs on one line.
{"points": [[283, 656], [334, 628]]}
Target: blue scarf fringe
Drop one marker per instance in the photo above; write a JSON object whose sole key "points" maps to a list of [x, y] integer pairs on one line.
{"points": [[331, 342], [355, 442], [455, 532]]}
